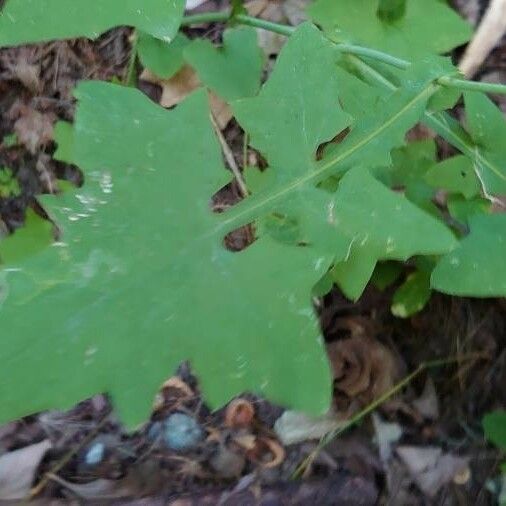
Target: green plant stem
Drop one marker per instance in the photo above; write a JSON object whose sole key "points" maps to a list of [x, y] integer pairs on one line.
{"points": [[440, 122], [373, 54], [462, 84], [350, 49], [265, 25]]}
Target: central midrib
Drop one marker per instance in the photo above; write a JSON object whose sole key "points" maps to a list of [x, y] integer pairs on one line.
{"points": [[236, 215]]}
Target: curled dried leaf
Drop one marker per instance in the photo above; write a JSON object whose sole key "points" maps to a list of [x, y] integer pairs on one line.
{"points": [[267, 453], [178, 384], [363, 368], [239, 414]]}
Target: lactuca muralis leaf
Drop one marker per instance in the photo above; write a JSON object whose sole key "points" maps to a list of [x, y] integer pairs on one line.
{"points": [[427, 26], [476, 268], [232, 71], [27, 21], [140, 279]]}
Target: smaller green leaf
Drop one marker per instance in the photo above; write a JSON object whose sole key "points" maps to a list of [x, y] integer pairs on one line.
{"points": [[494, 426], [455, 175], [232, 71], [462, 209], [386, 274], [63, 134], [487, 126], [10, 140], [391, 10], [33, 237], [383, 225], [9, 185], [360, 21], [412, 296], [27, 21], [476, 268], [162, 58]]}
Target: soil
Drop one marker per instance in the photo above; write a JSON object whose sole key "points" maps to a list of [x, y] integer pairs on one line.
{"points": [[239, 461]]}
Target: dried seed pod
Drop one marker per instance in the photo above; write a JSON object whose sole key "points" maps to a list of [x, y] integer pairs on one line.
{"points": [[239, 414]]}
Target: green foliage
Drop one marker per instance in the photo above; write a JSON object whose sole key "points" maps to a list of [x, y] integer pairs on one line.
{"points": [[487, 128], [494, 425], [407, 35], [9, 186], [139, 279], [412, 295], [232, 71], [27, 21], [476, 268], [163, 58]]}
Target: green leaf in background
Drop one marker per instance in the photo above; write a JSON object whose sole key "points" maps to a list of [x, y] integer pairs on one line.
{"points": [[162, 58], [232, 71], [477, 267], [33, 237], [63, 134], [27, 21], [9, 185], [383, 225], [455, 175], [358, 21], [494, 426], [462, 209], [487, 127], [412, 296], [386, 274], [391, 10]]}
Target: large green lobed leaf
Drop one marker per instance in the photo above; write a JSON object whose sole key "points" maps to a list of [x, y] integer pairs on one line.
{"points": [[140, 279], [27, 21]]}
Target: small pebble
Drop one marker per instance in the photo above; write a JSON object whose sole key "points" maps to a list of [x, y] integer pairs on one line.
{"points": [[182, 432], [95, 454]]}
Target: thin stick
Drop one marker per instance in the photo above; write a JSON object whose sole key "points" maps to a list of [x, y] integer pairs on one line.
{"points": [[325, 440], [37, 489], [229, 157]]}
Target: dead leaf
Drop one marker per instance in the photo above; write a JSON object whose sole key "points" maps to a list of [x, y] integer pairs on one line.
{"points": [[98, 489], [363, 369], [427, 404], [18, 468], [387, 434], [239, 414], [293, 427], [295, 11], [430, 468], [193, 4], [179, 86], [270, 42], [34, 129]]}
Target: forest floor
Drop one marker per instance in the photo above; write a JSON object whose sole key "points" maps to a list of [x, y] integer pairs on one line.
{"points": [[424, 445]]}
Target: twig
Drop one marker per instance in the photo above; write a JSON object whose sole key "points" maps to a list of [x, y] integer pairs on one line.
{"points": [[325, 440], [229, 157], [48, 476], [489, 33]]}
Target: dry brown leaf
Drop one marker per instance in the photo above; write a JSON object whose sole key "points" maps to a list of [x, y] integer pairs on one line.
{"points": [[239, 414], [430, 468], [363, 368], [34, 129], [18, 468], [179, 86], [427, 404]]}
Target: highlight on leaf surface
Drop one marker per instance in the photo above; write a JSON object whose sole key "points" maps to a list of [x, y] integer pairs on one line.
{"points": [[28, 21]]}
